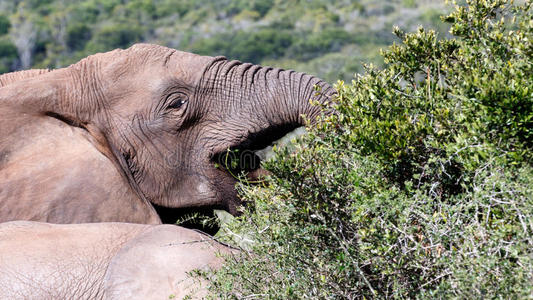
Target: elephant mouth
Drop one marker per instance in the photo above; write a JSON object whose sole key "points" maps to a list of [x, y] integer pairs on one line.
{"points": [[239, 161], [242, 159]]}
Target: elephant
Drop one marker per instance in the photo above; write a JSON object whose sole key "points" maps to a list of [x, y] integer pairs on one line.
{"points": [[105, 261], [131, 135]]}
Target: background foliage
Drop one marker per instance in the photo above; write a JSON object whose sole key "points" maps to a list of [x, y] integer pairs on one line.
{"points": [[326, 38], [420, 185]]}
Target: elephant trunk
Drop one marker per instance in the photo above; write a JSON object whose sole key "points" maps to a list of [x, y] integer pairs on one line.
{"points": [[270, 96], [310, 95], [259, 105], [289, 97]]}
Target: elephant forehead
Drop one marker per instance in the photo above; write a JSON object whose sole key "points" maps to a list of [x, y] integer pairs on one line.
{"points": [[143, 64], [188, 66]]}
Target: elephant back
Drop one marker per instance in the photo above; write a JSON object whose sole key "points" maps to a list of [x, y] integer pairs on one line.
{"points": [[8, 78]]}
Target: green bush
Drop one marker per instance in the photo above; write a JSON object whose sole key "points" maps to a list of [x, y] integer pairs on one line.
{"points": [[78, 35], [247, 46], [313, 45], [165, 8], [85, 12], [8, 55], [4, 24], [260, 6], [116, 36], [419, 185]]}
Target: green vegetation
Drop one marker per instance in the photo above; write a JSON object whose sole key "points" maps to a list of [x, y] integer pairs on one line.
{"points": [[329, 39], [419, 186]]}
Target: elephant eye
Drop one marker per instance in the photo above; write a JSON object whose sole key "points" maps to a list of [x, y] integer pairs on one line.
{"points": [[177, 104], [176, 101]]}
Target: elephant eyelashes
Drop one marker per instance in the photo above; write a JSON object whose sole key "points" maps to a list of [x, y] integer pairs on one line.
{"points": [[177, 101]]}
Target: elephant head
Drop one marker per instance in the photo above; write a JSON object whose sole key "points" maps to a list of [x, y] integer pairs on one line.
{"points": [[165, 117]]}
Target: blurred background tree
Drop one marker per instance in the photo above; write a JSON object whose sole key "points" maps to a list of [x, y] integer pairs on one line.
{"points": [[326, 38]]}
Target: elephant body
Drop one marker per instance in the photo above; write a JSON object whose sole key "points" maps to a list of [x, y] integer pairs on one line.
{"points": [[103, 261], [117, 134]]}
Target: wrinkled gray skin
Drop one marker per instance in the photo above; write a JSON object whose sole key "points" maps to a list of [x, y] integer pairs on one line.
{"points": [[103, 261], [113, 135]]}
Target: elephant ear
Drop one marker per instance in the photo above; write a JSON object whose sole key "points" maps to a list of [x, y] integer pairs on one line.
{"points": [[8, 78], [43, 93], [39, 92], [50, 119]]}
